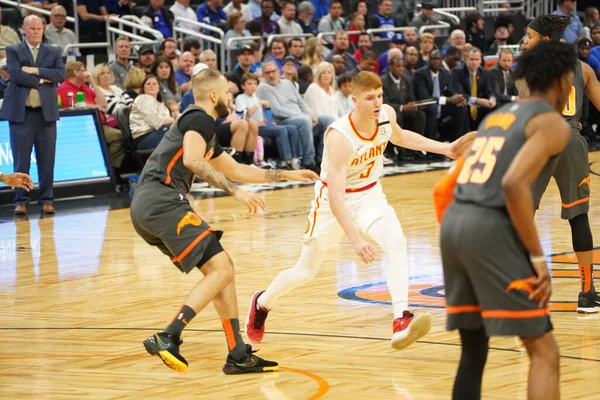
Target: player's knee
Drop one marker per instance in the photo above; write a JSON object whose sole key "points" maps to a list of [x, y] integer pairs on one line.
{"points": [[581, 233], [544, 349]]}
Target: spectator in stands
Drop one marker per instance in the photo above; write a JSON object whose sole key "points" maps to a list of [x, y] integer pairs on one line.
{"points": [[321, 95], [211, 12], [146, 57], [244, 63], [333, 21], [384, 18], [357, 24], [367, 63], [7, 34], [389, 55], [411, 61], [290, 71], [119, 7], [592, 18], [340, 45], [150, 118], [43, 4], [163, 70], [338, 65], [425, 17], [286, 22], [56, 33], [168, 49], [397, 42], [289, 108], [120, 66], [238, 133], [313, 53], [92, 18], [595, 33], [344, 95], [305, 78], [584, 50], [364, 44], [457, 39], [159, 18], [574, 31], [238, 5], [133, 82], [31, 109], [411, 36], [426, 45], [501, 36], [254, 6], [361, 7], [474, 32], [277, 52], [472, 81], [286, 137], [295, 49], [433, 82], [182, 9], [305, 17], [267, 25], [209, 58], [193, 46], [173, 108], [237, 28], [321, 8], [183, 76], [451, 58], [4, 78], [503, 84]]}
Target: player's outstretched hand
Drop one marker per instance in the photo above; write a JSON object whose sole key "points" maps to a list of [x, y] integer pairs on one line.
{"points": [[542, 284], [302, 175], [365, 251], [18, 180], [252, 200]]}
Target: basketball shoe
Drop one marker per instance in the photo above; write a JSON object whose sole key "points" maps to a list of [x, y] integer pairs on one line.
{"points": [[588, 303], [250, 363], [408, 329], [255, 322], [166, 347]]}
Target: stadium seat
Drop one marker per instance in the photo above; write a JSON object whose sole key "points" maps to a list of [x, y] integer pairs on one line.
{"points": [[12, 17], [122, 116]]}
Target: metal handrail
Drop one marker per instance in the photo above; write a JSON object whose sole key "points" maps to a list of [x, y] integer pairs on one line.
{"points": [[287, 35], [495, 10], [142, 27], [456, 9], [84, 46], [385, 30], [141, 39], [442, 25], [202, 25], [448, 15], [203, 38], [37, 10], [229, 50]]}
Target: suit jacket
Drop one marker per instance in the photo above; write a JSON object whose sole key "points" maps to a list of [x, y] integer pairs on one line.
{"points": [[424, 83], [497, 82], [461, 82], [395, 97], [50, 65]]}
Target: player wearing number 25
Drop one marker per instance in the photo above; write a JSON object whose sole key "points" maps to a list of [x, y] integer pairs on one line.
{"points": [[32, 111], [495, 274]]}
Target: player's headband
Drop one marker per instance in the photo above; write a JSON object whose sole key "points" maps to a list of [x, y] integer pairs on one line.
{"points": [[554, 36]]}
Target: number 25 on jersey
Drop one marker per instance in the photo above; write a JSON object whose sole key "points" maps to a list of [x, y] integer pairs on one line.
{"points": [[484, 150]]}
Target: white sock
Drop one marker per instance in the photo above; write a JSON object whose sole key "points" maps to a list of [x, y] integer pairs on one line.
{"points": [[388, 234], [305, 269]]}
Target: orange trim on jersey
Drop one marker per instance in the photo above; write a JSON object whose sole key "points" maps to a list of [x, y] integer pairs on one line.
{"points": [[187, 250], [576, 202], [516, 314], [463, 309], [312, 229], [356, 190], [372, 138], [176, 157]]}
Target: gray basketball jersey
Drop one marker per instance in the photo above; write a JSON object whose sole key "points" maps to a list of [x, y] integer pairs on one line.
{"points": [[574, 107], [501, 136]]}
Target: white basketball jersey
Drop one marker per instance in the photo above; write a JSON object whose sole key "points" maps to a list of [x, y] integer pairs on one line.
{"points": [[366, 163]]}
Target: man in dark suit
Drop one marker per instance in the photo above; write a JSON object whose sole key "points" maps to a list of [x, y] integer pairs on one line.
{"points": [[398, 92], [473, 83], [31, 108], [448, 116], [503, 84]]}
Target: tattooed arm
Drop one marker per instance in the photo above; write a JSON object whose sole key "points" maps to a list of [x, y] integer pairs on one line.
{"points": [[522, 88]]}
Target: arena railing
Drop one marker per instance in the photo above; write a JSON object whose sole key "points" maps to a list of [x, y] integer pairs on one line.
{"points": [[217, 44], [441, 25], [74, 20], [137, 27], [286, 36], [491, 7], [229, 50], [93, 45]]}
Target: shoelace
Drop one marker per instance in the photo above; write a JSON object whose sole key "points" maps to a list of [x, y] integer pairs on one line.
{"points": [[259, 318]]}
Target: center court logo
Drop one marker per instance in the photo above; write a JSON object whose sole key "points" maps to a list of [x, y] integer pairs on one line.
{"points": [[431, 294]]}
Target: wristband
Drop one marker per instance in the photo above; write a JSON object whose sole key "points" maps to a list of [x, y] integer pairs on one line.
{"points": [[536, 259]]}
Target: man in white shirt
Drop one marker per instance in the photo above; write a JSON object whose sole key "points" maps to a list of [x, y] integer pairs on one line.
{"points": [[56, 33], [287, 24], [237, 5], [182, 9]]}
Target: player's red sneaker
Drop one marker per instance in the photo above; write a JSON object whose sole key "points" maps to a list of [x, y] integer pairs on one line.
{"points": [[255, 322], [409, 329]]}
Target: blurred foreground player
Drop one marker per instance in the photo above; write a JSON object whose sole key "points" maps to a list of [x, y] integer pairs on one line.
{"points": [[163, 217], [572, 173], [349, 199], [496, 279]]}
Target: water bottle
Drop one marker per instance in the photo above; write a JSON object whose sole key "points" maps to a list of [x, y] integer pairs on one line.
{"points": [[132, 184]]}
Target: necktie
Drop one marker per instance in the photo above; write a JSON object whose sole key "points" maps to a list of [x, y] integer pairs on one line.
{"points": [[436, 93], [33, 100], [505, 73], [473, 109]]}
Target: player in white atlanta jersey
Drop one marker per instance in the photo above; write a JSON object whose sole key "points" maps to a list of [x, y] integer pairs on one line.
{"points": [[349, 199]]}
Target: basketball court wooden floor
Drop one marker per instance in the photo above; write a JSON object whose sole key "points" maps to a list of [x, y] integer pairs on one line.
{"points": [[80, 292]]}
